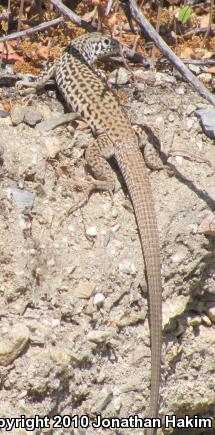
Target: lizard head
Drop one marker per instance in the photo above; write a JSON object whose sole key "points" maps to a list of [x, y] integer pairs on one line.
{"points": [[94, 46]]}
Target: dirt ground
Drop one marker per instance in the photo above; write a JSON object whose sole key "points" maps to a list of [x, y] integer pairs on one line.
{"points": [[74, 336]]}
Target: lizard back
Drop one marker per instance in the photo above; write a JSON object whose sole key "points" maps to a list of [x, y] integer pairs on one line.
{"points": [[85, 93]]}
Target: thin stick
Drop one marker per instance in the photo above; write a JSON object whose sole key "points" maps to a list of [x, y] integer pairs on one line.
{"points": [[21, 8], [108, 7], [191, 61], [160, 6], [210, 23], [72, 16], [35, 29]]}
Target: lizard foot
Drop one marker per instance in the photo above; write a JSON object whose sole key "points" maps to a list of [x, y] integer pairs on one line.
{"points": [[30, 88], [87, 187]]}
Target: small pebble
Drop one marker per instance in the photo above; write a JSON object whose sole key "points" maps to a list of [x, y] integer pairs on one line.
{"points": [[128, 267], [140, 87], [179, 91], [195, 321], [84, 290], [171, 117], [207, 226], [91, 231], [3, 114], [32, 116], [22, 198], [17, 114], [206, 320], [211, 313], [99, 336], [119, 77], [194, 68], [99, 299], [205, 77], [207, 119]]}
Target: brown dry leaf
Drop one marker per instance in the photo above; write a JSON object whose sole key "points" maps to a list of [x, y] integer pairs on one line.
{"points": [[199, 53], [81, 124], [186, 52], [25, 68], [12, 43], [204, 21], [207, 226], [4, 26], [43, 52], [122, 96], [9, 55], [84, 290], [111, 20], [88, 16], [5, 47]]}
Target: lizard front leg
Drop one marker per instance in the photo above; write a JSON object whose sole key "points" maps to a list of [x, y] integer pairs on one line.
{"points": [[41, 80]]}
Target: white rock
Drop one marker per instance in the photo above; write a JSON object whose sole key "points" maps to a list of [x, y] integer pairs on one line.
{"points": [[179, 91], [128, 267], [91, 231], [99, 299]]}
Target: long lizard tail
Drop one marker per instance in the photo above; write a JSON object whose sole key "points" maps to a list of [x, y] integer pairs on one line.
{"points": [[134, 171]]}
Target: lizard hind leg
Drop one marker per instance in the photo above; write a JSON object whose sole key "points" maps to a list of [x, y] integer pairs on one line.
{"points": [[149, 143], [96, 155], [103, 176]]}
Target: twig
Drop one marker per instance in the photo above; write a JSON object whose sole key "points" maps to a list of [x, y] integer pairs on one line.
{"points": [[8, 7], [4, 45], [163, 47], [210, 23], [21, 8], [35, 29], [72, 16], [198, 31], [190, 61], [160, 6], [108, 7], [126, 9], [38, 3], [199, 62]]}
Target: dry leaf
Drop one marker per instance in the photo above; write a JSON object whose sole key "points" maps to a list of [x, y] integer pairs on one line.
{"points": [[207, 226], [4, 26], [111, 20], [186, 52], [205, 21], [43, 52]]}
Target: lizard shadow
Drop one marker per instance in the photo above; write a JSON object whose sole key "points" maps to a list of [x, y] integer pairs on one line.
{"points": [[190, 184], [153, 139]]}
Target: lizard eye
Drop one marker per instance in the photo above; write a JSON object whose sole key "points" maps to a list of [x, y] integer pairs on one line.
{"points": [[106, 41]]}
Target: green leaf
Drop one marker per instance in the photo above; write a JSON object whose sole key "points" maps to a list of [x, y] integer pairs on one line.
{"points": [[184, 14]]}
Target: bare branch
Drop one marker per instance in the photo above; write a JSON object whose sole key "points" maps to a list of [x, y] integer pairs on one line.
{"points": [[108, 7], [160, 7], [21, 9], [35, 29], [210, 23], [72, 16]]}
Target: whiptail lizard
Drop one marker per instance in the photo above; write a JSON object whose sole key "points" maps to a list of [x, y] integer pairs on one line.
{"points": [[85, 93]]}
